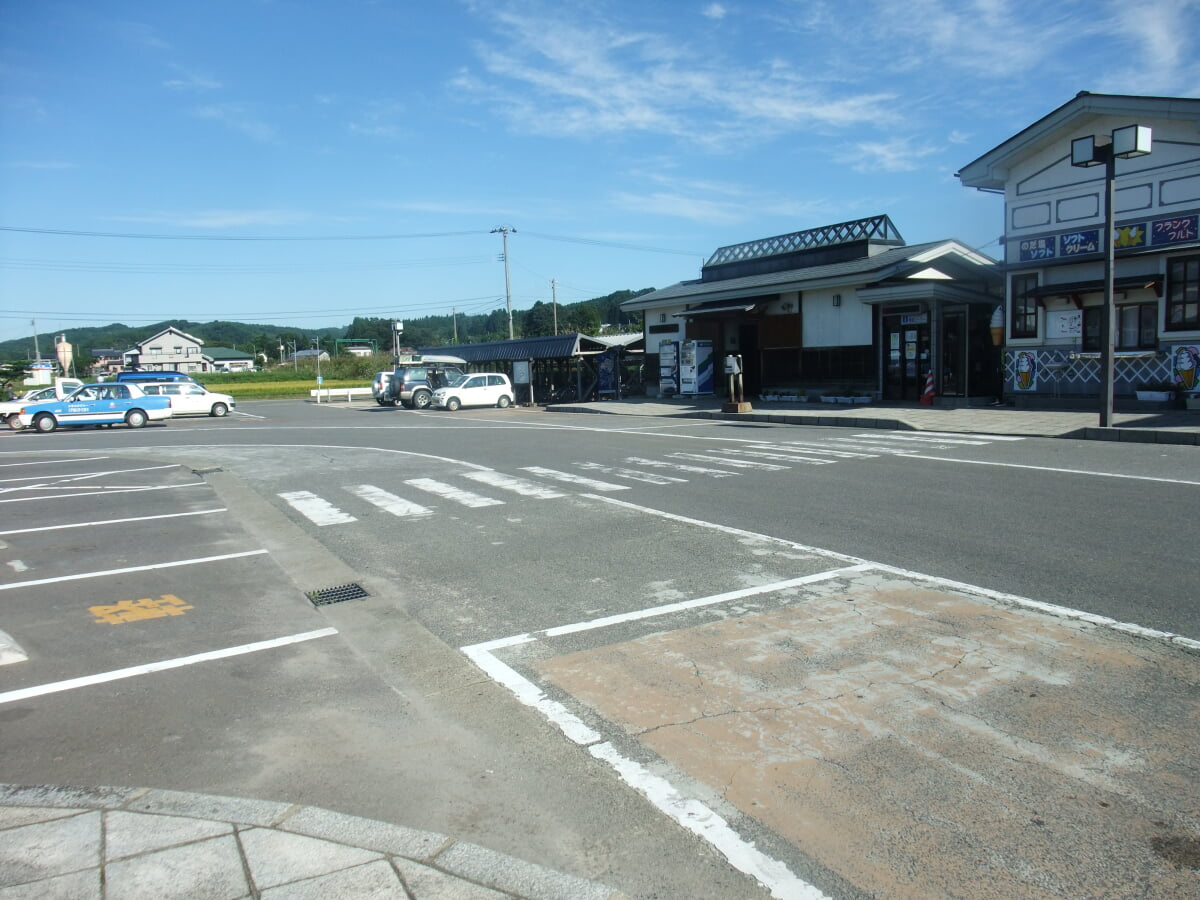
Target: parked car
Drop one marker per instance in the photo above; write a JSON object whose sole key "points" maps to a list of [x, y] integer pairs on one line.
{"points": [[151, 377], [109, 403], [9, 409], [381, 388], [191, 399], [412, 384], [476, 389]]}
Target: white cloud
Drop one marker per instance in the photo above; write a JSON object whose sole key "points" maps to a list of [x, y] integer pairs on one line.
{"points": [[894, 155], [190, 81], [236, 117], [714, 11]]}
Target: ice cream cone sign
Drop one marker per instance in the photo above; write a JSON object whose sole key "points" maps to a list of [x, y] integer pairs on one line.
{"points": [[997, 326]]}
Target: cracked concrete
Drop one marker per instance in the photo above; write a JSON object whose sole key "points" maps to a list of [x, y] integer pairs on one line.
{"points": [[923, 742]]}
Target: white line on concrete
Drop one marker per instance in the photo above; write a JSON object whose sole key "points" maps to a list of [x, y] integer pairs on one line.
{"points": [[708, 825], [517, 485], [101, 574], [450, 492], [780, 455], [569, 478], [680, 467], [102, 677], [78, 477], [1088, 472], [316, 509], [389, 502], [102, 491], [201, 512]]}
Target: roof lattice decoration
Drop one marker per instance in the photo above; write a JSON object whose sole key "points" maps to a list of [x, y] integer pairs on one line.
{"points": [[879, 228]]}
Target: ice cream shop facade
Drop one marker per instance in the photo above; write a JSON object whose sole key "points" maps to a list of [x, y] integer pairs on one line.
{"points": [[1054, 182], [844, 309]]}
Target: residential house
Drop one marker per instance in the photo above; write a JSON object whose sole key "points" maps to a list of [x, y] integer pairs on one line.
{"points": [[171, 350], [226, 359]]}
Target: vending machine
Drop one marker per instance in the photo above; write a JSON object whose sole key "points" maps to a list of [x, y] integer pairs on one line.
{"points": [[696, 367], [668, 368]]}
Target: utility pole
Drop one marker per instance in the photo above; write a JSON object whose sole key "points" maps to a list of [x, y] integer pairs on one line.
{"points": [[554, 302], [504, 232], [454, 322], [37, 354]]}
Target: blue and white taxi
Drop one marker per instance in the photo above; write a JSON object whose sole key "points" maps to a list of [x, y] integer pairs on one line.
{"points": [[97, 404]]}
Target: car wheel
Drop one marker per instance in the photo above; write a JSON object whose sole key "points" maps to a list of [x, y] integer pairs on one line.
{"points": [[422, 399], [14, 422], [218, 410], [453, 403], [504, 402], [45, 423], [135, 418]]}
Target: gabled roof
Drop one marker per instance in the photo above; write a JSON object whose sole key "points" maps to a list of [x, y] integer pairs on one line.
{"points": [[215, 353], [897, 262], [990, 171]]}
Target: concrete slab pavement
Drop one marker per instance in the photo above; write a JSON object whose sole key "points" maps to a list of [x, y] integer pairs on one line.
{"points": [[1154, 427], [115, 842]]}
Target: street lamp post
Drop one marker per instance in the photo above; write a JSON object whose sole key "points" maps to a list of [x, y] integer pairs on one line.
{"points": [[1096, 150]]}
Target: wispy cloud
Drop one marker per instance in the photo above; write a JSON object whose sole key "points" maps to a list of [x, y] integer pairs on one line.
{"points": [[190, 81], [378, 119], [238, 118], [714, 11], [1162, 41], [141, 35], [893, 155], [551, 74]]}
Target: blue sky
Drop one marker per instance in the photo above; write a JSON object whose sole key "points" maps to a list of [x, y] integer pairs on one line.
{"points": [[624, 142]]}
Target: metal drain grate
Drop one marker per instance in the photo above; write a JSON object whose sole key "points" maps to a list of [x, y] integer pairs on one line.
{"points": [[339, 594]]}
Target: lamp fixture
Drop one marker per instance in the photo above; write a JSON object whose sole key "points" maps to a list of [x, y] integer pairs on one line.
{"points": [[837, 299]]}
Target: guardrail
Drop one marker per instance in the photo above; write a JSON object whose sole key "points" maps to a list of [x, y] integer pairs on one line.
{"points": [[331, 393]]}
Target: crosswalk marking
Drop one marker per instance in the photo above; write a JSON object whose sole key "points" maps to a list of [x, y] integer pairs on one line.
{"points": [[450, 492], [633, 474], [725, 461], [786, 457], [316, 510], [388, 502], [838, 452], [571, 478], [516, 485], [679, 467]]}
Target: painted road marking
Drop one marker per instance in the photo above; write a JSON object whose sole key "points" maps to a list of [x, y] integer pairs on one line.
{"points": [[632, 474], [1089, 472], [126, 570], [389, 502], [787, 457], [10, 650], [827, 451], [450, 492], [725, 461], [101, 491], [570, 478], [318, 511], [139, 610], [51, 462], [517, 485], [103, 677], [679, 467], [201, 512]]}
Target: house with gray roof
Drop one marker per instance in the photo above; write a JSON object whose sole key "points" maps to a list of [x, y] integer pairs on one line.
{"points": [[842, 308]]}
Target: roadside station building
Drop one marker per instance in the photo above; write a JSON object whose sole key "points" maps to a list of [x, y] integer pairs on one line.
{"points": [[1054, 222], [845, 308]]}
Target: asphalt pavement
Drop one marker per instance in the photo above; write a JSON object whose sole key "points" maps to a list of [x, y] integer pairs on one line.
{"points": [[58, 841]]}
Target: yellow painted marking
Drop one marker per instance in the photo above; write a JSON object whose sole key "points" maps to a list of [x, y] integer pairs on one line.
{"points": [[137, 610]]}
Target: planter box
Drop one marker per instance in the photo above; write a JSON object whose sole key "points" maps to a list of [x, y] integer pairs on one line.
{"points": [[1154, 396]]}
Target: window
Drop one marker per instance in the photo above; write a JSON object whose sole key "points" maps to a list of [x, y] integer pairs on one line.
{"points": [[179, 351], [1136, 327], [155, 351], [1183, 294], [1024, 322]]}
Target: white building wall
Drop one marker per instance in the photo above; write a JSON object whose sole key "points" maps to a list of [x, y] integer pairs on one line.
{"points": [[827, 325]]}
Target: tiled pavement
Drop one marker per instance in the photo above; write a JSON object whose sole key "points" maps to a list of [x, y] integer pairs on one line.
{"points": [[116, 843]]}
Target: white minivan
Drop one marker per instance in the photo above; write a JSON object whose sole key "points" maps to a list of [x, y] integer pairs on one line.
{"points": [[476, 389]]}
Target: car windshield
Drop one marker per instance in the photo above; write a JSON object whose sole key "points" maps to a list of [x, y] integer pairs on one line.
{"points": [[454, 379]]}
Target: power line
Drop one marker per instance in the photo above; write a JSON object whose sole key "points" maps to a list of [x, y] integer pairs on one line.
{"points": [[63, 232]]}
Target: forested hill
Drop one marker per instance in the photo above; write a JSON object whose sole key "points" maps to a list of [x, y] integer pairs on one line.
{"points": [[587, 316]]}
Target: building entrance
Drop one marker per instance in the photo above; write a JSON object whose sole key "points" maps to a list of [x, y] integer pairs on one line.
{"points": [[906, 356]]}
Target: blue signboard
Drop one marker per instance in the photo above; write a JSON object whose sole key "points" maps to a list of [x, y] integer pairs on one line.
{"points": [[1174, 231], [1078, 242], [1037, 248]]}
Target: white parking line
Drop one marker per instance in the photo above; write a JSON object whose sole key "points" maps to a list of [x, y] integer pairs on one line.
{"points": [[200, 512], [388, 502], [51, 462], [450, 492], [318, 511], [105, 491], [102, 677], [127, 569]]}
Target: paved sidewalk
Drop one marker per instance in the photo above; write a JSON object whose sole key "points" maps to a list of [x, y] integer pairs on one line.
{"points": [[64, 842], [1164, 427]]}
